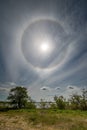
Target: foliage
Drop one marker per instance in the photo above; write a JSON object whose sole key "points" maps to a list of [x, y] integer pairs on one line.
{"points": [[53, 105], [43, 104], [18, 97], [75, 101], [30, 104], [79, 101], [60, 102]]}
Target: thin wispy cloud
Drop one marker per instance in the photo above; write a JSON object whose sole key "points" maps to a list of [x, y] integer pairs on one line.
{"points": [[44, 46]]}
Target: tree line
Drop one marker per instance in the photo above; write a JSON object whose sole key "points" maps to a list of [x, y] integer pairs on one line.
{"points": [[18, 98]]}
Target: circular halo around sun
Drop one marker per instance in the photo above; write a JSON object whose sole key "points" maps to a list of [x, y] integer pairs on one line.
{"points": [[42, 43]]}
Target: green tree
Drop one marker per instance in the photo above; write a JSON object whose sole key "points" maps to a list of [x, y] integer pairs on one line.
{"points": [[60, 102], [79, 101], [18, 97], [75, 101], [84, 100]]}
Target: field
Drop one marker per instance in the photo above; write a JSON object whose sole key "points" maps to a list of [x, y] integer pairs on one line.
{"points": [[25, 119]]}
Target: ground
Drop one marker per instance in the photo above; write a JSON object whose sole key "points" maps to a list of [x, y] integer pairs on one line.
{"points": [[43, 120]]}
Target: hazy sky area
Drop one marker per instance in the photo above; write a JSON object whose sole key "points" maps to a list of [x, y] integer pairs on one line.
{"points": [[43, 46]]}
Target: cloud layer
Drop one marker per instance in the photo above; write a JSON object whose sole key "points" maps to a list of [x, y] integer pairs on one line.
{"points": [[24, 24]]}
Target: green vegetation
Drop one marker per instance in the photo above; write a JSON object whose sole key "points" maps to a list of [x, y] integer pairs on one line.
{"points": [[79, 101], [18, 97], [60, 102], [41, 119], [21, 113]]}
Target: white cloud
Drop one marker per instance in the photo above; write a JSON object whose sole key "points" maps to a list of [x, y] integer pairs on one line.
{"points": [[45, 88], [4, 89], [70, 90]]}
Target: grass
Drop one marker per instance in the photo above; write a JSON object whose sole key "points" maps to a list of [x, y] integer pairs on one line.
{"points": [[43, 120]]}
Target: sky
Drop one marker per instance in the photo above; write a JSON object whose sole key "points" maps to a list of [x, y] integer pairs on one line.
{"points": [[43, 47]]}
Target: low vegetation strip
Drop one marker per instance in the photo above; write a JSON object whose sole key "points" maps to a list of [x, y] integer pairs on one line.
{"points": [[43, 119]]}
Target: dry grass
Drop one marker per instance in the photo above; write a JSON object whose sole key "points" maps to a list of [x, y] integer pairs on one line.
{"points": [[43, 120]]}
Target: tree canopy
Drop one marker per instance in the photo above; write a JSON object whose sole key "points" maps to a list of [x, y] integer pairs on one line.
{"points": [[18, 96]]}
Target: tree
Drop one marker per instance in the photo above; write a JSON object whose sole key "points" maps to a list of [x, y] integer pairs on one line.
{"points": [[84, 100], [79, 101], [75, 101], [18, 97], [60, 102]]}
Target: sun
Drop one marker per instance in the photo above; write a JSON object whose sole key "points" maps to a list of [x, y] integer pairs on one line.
{"points": [[44, 47]]}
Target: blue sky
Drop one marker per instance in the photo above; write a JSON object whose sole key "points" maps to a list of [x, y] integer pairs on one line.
{"points": [[43, 46]]}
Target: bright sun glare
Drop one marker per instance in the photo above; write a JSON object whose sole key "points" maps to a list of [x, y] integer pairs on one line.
{"points": [[44, 47]]}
